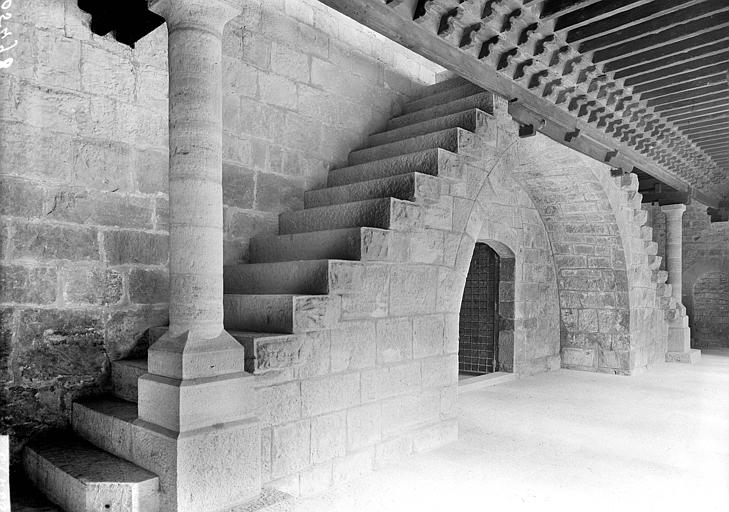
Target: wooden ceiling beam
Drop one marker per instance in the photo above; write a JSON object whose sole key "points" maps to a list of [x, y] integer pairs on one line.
{"points": [[705, 125], [718, 77], [713, 143], [676, 59], [719, 100], [702, 65], [628, 18], [552, 9], [721, 133], [676, 24], [707, 131], [709, 75], [699, 117], [689, 96], [651, 41], [668, 51]]}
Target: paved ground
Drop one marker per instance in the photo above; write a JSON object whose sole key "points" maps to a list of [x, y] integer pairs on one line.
{"points": [[570, 441]]}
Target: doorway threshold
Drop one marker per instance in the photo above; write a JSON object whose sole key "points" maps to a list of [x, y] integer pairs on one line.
{"points": [[468, 383]]}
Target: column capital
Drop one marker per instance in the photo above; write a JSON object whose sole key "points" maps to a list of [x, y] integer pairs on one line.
{"points": [[674, 210], [213, 14]]}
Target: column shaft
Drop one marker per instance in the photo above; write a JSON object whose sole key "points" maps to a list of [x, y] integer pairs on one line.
{"points": [[674, 247]]}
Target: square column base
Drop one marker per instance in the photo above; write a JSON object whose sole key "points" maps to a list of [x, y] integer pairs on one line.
{"points": [[213, 469], [691, 356]]}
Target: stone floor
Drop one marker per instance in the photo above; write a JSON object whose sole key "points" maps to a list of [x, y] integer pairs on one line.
{"points": [[566, 441], [570, 441]]}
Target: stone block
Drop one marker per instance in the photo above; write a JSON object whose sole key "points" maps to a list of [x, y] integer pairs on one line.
{"points": [[394, 340], [353, 346], [390, 381], [238, 186], [428, 335], [266, 442], [412, 290], [289, 62], [439, 371], [290, 448], [574, 357], [353, 466], [149, 286], [279, 193], [279, 404], [83, 284], [328, 437], [28, 198], [28, 285], [364, 425], [404, 412], [316, 479], [49, 241], [393, 450], [125, 247], [330, 393], [278, 91]]}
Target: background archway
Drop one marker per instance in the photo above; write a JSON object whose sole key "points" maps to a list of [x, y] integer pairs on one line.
{"points": [[710, 326]]}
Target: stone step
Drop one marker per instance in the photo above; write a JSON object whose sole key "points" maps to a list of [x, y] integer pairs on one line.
{"points": [[445, 139], [646, 233], [435, 162], [125, 375], [470, 120], [79, 477], [659, 276], [409, 187], [386, 213], [651, 248], [654, 262], [285, 314], [108, 423], [663, 290], [365, 244], [640, 217], [266, 352], [442, 97], [439, 87], [482, 101], [289, 277]]}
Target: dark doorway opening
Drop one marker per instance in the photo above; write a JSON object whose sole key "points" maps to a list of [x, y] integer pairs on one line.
{"points": [[479, 317]]}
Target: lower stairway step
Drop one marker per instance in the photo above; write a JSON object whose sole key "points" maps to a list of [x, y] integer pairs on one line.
{"points": [[468, 120], [79, 477], [285, 314], [448, 139], [386, 213], [370, 244], [409, 187], [434, 161]]}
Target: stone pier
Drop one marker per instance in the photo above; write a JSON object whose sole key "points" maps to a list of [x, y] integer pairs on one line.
{"points": [[679, 333], [196, 391]]}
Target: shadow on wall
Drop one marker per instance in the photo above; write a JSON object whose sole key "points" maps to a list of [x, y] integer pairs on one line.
{"points": [[710, 322], [507, 269]]}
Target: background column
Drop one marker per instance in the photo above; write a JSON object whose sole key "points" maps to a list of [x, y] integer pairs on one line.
{"points": [[679, 334]]}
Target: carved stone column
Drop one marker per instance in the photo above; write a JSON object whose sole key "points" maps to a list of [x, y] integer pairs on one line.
{"points": [[196, 392], [674, 246], [679, 332]]}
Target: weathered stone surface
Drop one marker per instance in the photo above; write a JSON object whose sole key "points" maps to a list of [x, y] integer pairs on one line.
{"points": [[149, 286], [328, 437], [92, 285], [26, 285], [47, 242], [330, 393], [125, 247], [290, 450]]}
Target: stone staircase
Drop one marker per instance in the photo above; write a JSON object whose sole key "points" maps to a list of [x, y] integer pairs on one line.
{"points": [[297, 283], [645, 265]]}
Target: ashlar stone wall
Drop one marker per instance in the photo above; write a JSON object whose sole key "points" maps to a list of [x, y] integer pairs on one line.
{"points": [[706, 277], [83, 174]]}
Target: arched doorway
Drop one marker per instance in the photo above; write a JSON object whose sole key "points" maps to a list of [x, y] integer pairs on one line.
{"points": [[486, 326]]}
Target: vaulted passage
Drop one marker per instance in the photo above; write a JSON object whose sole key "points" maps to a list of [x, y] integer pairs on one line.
{"points": [[479, 322]]}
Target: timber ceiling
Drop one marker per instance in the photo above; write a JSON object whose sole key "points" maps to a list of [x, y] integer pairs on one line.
{"points": [[645, 80]]}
